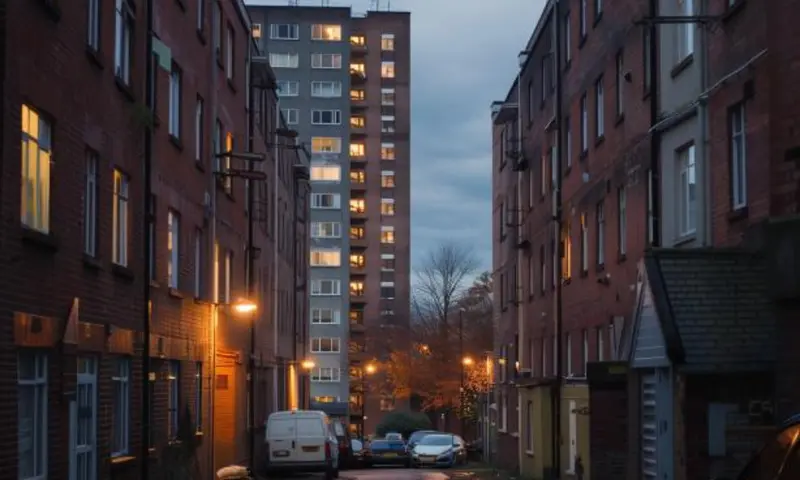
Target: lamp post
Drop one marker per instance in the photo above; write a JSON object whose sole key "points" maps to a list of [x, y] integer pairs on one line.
{"points": [[307, 366], [368, 369], [247, 307], [461, 354]]}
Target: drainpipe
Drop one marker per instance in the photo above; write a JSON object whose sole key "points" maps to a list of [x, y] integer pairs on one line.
{"points": [[655, 139], [520, 350], [251, 363], [702, 110], [559, 244], [148, 205], [275, 262]]}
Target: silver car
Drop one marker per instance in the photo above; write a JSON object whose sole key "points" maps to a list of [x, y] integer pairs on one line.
{"points": [[441, 450]]}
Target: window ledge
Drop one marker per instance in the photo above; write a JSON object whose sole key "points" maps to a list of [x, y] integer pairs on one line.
{"points": [[733, 10], [619, 120], [740, 213], [584, 273], [94, 57], [154, 284], [582, 41], [91, 263], [232, 85], [529, 453], [515, 434], [175, 293], [600, 267], [621, 258], [201, 36], [175, 141], [199, 165], [682, 65], [46, 241], [684, 239], [125, 89], [122, 271], [121, 460], [599, 140]]}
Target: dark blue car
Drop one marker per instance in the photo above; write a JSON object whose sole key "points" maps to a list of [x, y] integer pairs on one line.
{"points": [[387, 452]]}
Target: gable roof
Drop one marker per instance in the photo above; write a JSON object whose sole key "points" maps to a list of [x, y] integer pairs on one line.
{"points": [[714, 308]]}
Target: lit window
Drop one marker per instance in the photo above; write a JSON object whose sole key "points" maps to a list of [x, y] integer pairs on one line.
{"points": [[358, 40], [566, 258], [329, 33], [387, 42], [121, 407], [90, 205], [358, 95], [357, 260], [358, 176], [173, 249], [256, 30], [119, 254], [387, 206], [387, 179], [284, 60], [387, 234], [356, 289], [123, 41], [325, 345], [687, 193], [325, 258], [226, 162], [36, 163], [358, 69], [326, 145], [326, 173], [32, 408], [357, 121], [387, 151], [387, 69], [357, 150], [738, 157], [358, 205]]}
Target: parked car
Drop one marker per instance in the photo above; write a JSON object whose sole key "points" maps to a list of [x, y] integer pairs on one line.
{"points": [[359, 452], [343, 439], [300, 441], [419, 435], [387, 452], [439, 450], [394, 437], [779, 459]]}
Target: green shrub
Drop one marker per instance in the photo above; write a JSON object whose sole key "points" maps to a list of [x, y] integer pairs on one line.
{"points": [[404, 423]]}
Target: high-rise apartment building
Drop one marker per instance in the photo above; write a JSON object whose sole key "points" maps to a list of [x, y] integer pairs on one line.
{"points": [[344, 87]]}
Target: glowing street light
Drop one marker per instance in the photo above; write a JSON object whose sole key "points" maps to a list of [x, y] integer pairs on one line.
{"points": [[370, 369], [467, 361], [244, 306], [308, 364]]}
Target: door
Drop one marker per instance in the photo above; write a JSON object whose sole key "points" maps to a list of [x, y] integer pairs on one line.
{"points": [[282, 435], [312, 435], [83, 422], [224, 416], [573, 437], [656, 424]]}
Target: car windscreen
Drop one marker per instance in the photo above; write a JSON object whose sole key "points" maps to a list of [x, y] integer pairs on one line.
{"points": [[339, 429], [357, 445], [417, 436], [436, 440]]}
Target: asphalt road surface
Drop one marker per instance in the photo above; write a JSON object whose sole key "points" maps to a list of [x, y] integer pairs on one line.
{"points": [[382, 474]]}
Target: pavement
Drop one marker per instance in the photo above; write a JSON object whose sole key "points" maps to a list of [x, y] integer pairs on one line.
{"points": [[382, 474]]}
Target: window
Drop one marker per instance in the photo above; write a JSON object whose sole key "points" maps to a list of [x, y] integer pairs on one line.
{"points": [[583, 19], [598, 9], [358, 40], [387, 290], [568, 341], [387, 179], [325, 345], [584, 244], [326, 145], [217, 14], [326, 60], [387, 207], [387, 262], [326, 230], [329, 33], [173, 249], [357, 121], [387, 96], [326, 117], [291, 115], [325, 288], [387, 124], [93, 25], [556, 352], [584, 126], [543, 176], [600, 218], [286, 31], [326, 173], [123, 41], [119, 254], [326, 89], [356, 288], [619, 91], [288, 88], [387, 234], [90, 205], [357, 150], [646, 59], [201, 15], [738, 157], [230, 53], [326, 200], [121, 407], [175, 102], [151, 237], [256, 31], [326, 374], [32, 408], [358, 95], [358, 205], [229, 147], [228, 272], [358, 69], [568, 141], [36, 163], [387, 42], [325, 258], [387, 69], [622, 213], [687, 198], [284, 60], [84, 443], [684, 32], [542, 269], [357, 233], [173, 402], [566, 255], [601, 344], [198, 263], [325, 316], [567, 39], [358, 176], [545, 76], [387, 151], [585, 351], [600, 109], [199, 120], [198, 396]]}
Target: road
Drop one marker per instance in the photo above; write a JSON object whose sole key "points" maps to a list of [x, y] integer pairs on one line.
{"points": [[393, 474]]}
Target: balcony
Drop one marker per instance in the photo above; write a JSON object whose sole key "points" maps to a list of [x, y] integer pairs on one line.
{"points": [[358, 236], [358, 45], [358, 180], [358, 74], [358, 126], [357, 263], [357, 212], [358, 100], [357, 295], [357, 326]]}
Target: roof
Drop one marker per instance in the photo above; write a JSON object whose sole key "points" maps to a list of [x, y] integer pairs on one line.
{"points": [[714, 309]]}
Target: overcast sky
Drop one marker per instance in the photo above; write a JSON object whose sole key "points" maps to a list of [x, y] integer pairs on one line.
{"points": [[463, 56]]}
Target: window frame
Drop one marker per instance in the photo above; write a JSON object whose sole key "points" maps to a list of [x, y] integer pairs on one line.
{"points": [[319, 87], [90, 207], [175, 101], [317, 317], [292, 88], [335, 345], [318, 117], [39, 384], [199, 129], [687, 208], [335, 205], [620, 83], [600, 235], [317, 258], [93, 25], [123, 41], [318, 30], [387, 42], [317, 286], [121, 407], [737, 121], [388, 69], [120, 218], [35, 203], [684, 33], [293, 31], [600, 108], [198, 397], [584, 124], [318, 63], [584, 243], [622, 220], [173, 249], [199, 236], [173, 398], [292, 60]]}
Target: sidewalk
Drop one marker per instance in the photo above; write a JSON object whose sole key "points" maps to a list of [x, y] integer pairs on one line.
{"points": [[479, 471]]}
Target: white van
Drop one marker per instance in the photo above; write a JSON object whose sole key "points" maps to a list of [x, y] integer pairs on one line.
{"points": [[301, 441]]}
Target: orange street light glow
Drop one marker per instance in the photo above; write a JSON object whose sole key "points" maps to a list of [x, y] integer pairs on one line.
{"points": [[245, 306], [370, 369]]}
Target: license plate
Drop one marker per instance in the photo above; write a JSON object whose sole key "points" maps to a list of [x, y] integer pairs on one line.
{"points": [[311, 449], [429, 459], [280, 453], [390, 454]]}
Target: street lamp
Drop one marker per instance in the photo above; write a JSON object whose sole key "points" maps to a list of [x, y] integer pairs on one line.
{"points": [[463, 363], [243, 306], [308, 364], [467, 361], [368, 369]]}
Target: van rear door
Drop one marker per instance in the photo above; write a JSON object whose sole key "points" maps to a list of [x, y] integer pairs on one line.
{"points": [[281, 435], [312, 435]]}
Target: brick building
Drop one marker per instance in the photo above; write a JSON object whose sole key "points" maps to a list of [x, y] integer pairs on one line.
{"points": [[74, 235]]}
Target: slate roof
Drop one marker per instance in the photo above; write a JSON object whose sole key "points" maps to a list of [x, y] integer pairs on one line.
{"points": [[714, 308]]}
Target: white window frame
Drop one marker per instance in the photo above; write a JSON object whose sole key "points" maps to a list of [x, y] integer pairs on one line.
{"points": [[198, 263], [317, 289], [39, 429], [389, 236], [316, 170], [600, 108], [123, 41], [121, 407], [387, 42], [319, 32], [317, 317], [388, 96], [326, 89], [173, 398], [291, 115], [317, 344], [120, 216], [36, 171], [227, 272], [90, 205], [584, 124], [84, 439], [326, 375], [198, 397], [388, 70], [387, 256], [388, 151], [288, 88], [317, 204], [584, 243], [390, 212], [93, 25], [284, 60], [199, 120], [687, 208], [173, 249], [292, 31], [326, 230], [568, 341], [230, 58], [326, 61], [175, 102], [385, 175], [318, 117], [388, 124], [738, 121], [319, 257], [684, 32], [622, 214], [322, 147], [600, 225]]}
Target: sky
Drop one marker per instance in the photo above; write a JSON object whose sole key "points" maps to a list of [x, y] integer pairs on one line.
{"points": [[463, 57]]}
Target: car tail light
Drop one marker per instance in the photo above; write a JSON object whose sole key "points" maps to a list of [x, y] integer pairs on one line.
{"points": [[327, 451]]}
